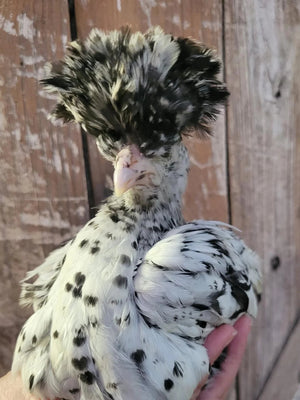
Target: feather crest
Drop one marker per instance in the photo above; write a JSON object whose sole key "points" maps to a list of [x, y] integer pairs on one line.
{"points": [[148, 89]]}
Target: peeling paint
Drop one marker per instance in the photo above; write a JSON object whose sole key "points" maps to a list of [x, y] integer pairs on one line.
{"points": [[31, 74], [56, 122], [204, 190], [57, 161], [74, 148], [186, 24], [10, 79], [75, 199], [7, 26], [43, 111], [44, 219], [76, 169], [47, 162], [39, 180], [67, 170], [176, 20], [26, 28], [3, 120], [53, 44], [90, 23], [64, 40], [33, 140], [200, 165], [212, 25], [31, 60], [47, 95], [16, 133], [81, 211], [15, 234], [146, 6], [23, 184]]}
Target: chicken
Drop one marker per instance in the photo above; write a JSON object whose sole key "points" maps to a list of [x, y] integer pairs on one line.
{"points": [[123, 309]]}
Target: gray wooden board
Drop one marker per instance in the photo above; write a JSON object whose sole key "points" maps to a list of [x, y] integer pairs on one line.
{"points": [[284, 380], [262, 45]]}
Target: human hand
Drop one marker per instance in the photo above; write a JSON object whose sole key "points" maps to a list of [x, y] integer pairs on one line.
{"points": [[236, 339], [11, 388]]}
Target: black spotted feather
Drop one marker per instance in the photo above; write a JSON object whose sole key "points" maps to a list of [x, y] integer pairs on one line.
{"points": [[127, 87]]}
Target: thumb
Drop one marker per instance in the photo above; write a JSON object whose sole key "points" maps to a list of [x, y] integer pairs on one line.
{"points": [[218, 340]]}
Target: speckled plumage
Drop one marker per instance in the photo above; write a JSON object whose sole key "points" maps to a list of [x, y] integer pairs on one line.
{"points": [[122, 310]]}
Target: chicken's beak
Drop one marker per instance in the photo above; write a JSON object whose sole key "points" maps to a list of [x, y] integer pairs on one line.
{"points": [[132, 168]]}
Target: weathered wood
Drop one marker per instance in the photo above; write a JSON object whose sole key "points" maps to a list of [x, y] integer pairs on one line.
{"points": [[262, 65], [284, 381], [42, 181], [297, 394], [206, 194]]}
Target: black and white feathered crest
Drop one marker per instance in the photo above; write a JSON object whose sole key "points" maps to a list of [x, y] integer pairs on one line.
{"points": [[147, 89]]}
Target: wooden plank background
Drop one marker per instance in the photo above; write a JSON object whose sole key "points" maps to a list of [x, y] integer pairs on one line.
{"points": [[248, 174], [262, 62], [42, 182]]}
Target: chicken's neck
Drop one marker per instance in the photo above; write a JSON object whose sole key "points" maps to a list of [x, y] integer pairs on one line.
{"points": [[126, 232], [149, 219]]}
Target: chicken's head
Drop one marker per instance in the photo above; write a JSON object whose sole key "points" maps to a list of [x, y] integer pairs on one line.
{"points": [[138, 94]]}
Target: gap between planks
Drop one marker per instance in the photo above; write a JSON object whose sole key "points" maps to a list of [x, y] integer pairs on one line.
{"points": [[85, 148]]}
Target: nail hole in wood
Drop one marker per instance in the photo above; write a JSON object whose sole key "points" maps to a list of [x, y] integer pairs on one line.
{"points": [[275, 263], [278, 94]]}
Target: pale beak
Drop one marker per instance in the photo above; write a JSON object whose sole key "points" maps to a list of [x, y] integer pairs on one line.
{"points": [[132, 168]]}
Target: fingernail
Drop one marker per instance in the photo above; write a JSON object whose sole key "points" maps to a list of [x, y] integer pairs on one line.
{"points": [[244, 320], [233, 333]]}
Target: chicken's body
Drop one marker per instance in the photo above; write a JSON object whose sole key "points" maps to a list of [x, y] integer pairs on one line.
{"points": [[122, 311]]}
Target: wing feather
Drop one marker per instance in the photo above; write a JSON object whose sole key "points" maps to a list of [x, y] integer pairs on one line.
{"points": [[199, 276], [36, 293]]}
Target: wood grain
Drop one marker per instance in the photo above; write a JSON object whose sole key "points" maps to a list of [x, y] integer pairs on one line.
{"points": [[206, 195], [42, 181], [297, 394], [284, 381], [262, 66]]}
